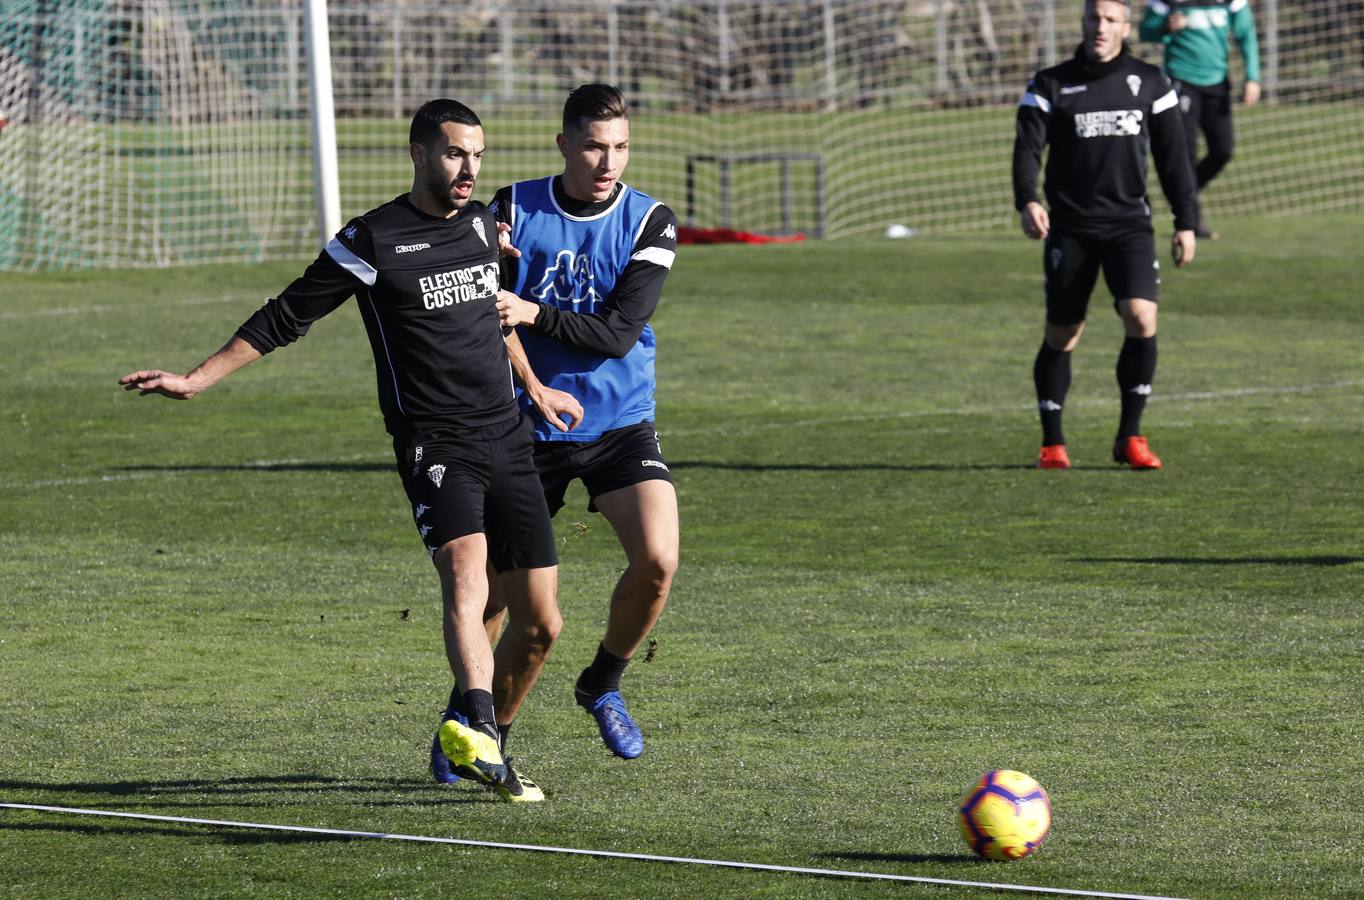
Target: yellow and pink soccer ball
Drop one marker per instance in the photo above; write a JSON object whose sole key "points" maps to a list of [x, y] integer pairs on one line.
{"points": [[1006, 815]]}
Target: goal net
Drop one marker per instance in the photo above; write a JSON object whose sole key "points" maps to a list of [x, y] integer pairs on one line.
{"points": [[164, 132]]}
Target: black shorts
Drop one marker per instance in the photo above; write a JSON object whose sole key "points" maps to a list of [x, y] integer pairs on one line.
{"points": [[462, 481], [617, 459], [1071, 263]]}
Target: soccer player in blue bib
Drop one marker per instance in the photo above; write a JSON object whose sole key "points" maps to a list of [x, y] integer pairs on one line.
{"points": [[594, 254]]}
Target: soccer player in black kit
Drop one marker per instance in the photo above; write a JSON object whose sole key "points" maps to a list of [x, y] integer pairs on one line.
{"points": [[424, 271], [1100, 111]]}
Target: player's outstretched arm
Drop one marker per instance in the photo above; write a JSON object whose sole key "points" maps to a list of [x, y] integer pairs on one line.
{"points": [[233, 355], [553, 405]]}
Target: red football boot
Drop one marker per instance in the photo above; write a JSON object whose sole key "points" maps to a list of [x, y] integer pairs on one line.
{"points": [[1054, 456], [1135, 452]]}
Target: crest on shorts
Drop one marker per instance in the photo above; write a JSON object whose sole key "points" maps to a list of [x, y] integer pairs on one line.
{"points": [[1134, 82], [436, 473], [1056, 257], [481, 231]]}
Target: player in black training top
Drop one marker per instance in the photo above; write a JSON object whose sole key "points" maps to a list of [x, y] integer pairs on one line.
{"points": [[424, 270], [1100, 111]]}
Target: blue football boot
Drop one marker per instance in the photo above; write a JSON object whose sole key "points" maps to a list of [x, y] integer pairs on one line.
{"points": [[618, 731], [441, 770]]}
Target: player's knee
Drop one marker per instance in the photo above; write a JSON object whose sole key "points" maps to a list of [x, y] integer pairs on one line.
{"points": [[1139, 324], [657, 569], [540, 630], [1063, 338]]}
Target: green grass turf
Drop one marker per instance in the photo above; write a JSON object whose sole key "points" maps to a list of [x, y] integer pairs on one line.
{"points": [[879, 600]]}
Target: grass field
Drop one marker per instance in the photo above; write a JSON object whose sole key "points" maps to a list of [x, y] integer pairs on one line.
{"points": [[203, 603]]}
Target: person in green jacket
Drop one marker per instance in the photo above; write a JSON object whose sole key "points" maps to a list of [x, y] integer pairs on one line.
{"points": [[1195, 34]]}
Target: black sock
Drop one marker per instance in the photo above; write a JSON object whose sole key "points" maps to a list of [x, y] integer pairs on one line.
{"points": [[1136, 371], [1051, 377], [502, 732], [603, 675], [455, 702], [478, 707]]}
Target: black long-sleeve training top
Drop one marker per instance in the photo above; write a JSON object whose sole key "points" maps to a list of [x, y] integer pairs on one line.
{"points": [[427, 291], [1099, 119]]}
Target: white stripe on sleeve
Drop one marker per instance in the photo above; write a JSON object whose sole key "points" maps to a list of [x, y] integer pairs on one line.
{"points": [[656, 255], [1164, 103], [352, 263], [1031, 99]]}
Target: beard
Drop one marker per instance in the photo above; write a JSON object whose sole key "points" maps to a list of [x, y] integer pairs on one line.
{"points": [[444, 192]]}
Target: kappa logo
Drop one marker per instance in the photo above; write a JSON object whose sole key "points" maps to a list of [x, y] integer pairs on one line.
{"points": [[348, 232], [425, 530], [568, 280], [1134, 84], [670, 232], [420, 510], [1073, 88], [410, 248], [1142, 389], [653, 462], [436, 473], [481, 230], [1049, 406]]}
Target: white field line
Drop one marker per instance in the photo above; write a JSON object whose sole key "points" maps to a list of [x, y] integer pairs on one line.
{"points": [[988, 409], [96, 308], [571, 851], [1187, 397]]}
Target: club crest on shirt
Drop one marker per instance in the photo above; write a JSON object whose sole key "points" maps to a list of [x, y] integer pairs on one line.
{"points": [[481, 230], [568, 280], [1134, 82]]}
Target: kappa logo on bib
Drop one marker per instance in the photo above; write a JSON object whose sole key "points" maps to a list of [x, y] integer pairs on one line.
{"points": [[568, 280]]}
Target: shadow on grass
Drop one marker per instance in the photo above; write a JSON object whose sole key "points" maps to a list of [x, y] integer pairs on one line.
{"points": [[863, 856], [243, 785], [198, 793], [847, 467], [682, 464], [225, 835], [267, 467], [1226, 560]]}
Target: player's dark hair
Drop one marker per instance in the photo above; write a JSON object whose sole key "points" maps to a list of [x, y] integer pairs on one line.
{"points": [[435, 113], [593, 103]]}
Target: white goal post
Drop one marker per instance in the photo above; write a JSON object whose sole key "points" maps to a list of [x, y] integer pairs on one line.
{"points": [[187, 122]]}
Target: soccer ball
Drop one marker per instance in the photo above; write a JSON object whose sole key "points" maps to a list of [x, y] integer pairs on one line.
{"points": [[1006, 815]]}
